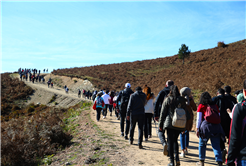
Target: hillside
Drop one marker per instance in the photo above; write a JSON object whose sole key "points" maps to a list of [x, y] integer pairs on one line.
{"points": [[204, 70]]}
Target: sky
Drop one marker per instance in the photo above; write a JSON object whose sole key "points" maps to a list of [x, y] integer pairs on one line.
{"points": [[67, 34]]}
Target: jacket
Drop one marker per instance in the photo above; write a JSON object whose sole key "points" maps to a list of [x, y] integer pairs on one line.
{"points": [[237, 144], [223, 103], [167, 112], [159, 100], [126, 90], [136, 104]]}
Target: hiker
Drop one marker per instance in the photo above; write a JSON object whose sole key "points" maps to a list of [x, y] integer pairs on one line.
{"points": [[111, 102], [157, 109], [149, 111], [47, 71], [136, 113], [206, 130], [121, 106], [66, 89], [94, 95], [173, 103], [44, 70], [106, 101], [238, 92], [98, 105], [237, 143], [48, 84], [114, 105], [228, 94], [79, 93], [223, 103], [51, 84], [191, 106]]}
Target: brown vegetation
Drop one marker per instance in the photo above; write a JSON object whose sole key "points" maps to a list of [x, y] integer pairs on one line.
{"points": [[205, 70]]}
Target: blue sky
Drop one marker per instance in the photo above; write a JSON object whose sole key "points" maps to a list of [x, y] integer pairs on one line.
{"points": [[81, 33]]}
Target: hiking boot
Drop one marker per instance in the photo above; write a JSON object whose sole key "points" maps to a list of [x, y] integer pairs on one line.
{"points": [[177, 163], [140, 146], [110, 113], [200, 163], [122, 135], [150, 136], [118, 118], [130, 142], [170, 164], [165, 152], [224, 152], [146, 139], [126, 138]]}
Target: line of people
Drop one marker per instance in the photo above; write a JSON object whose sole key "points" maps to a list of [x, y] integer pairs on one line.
{"points": [[222, 119]]}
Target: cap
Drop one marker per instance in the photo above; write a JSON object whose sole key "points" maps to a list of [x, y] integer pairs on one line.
{"points": [[127, 85]]}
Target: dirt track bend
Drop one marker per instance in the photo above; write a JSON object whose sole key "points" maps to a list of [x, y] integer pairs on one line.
{"points": [[152, 152]]}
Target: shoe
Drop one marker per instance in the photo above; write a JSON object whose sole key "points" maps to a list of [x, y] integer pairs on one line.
{"points": [[224, 152], [130, 142], [170, 164], [165, 152], [182, 154], [177, 163], [186, 152], [97, 120], [146, 139], [118, 118], [150, 136], [200, 163], [126, 138], [110, 113], [122, 135], [104, 117], [140, 146]]}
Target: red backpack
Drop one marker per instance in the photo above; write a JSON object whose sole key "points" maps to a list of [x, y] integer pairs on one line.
{"points": [[212, 114]]}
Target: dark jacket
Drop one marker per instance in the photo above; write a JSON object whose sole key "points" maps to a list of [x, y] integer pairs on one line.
{"points": [[167, 112], [129, 92], [237, 145], [223, 103], [136, 104], [231, 98], [207, 130], [159, 100]]}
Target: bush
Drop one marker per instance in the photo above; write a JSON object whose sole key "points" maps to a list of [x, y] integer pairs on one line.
{"points": [[221, 44]]}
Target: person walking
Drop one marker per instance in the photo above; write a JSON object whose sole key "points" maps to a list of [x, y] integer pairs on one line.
{"points": [[206, 130], [237, 143], [136, 113], [149, 111], [223, 103], [111, 102], [99, 105], [167, 122], [106, 101], [157, 109], [121, 105], [191, 106]]}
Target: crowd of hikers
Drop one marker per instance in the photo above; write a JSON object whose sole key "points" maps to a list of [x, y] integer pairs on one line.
{"points": [[221, 119]]}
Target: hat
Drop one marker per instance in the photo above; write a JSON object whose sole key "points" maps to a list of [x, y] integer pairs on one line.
{"points": [[127, 85], [100, 93], [240, 97]]}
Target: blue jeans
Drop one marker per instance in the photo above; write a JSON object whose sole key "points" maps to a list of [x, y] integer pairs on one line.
{"points": [[241, 162], [184, 140], [215, 141]]}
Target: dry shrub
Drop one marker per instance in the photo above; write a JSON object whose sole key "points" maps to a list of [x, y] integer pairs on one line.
{"points": [[25, 140], [221, 44]]}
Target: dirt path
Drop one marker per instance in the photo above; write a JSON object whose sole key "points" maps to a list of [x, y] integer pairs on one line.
{"points": [[151, 154]]}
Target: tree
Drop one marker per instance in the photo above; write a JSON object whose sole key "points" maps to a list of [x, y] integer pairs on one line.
{"points": [[183, 52]]}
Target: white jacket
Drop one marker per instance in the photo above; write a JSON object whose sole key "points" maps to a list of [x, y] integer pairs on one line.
{"points": [[149, 107], [105, 98]]}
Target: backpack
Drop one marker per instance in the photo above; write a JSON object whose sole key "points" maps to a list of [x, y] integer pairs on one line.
{"points": [[99, 102], [212, 115], [179, 117], [124, 100]]}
